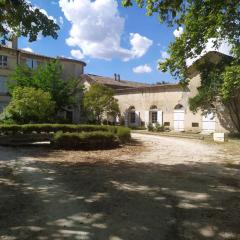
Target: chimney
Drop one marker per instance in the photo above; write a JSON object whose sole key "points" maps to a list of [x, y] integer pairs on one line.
{"points": [[14, 42], [115, 76], [118, 76]]}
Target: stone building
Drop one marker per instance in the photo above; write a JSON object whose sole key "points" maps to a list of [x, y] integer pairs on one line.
{"points": [[140, 103], [167, 104], [11, 56]]}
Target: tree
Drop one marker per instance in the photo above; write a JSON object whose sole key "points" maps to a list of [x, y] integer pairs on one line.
{"points": [[19, 17], [99, 101], [29, 105], [48, 77], [230, 92], [201, 21], [220, 85]]}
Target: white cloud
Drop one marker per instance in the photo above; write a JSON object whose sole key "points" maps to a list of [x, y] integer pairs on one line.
{"points": [[97, 28], [61, 22], [28, 49], [77, 54], [163, 56], [45, 13], [142, 69], [178, 32], [224, 48]]}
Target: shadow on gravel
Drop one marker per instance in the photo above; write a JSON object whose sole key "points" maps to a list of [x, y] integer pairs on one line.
{"points": [[121, 200]]}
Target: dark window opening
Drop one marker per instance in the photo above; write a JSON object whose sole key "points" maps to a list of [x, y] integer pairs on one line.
{"points": [[154, 117], [132, 117], [194, 124], [166, 124]]}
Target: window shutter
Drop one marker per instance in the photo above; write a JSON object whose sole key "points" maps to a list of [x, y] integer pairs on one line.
{"points": [[160, 117], [146, 118], [138, 119]]}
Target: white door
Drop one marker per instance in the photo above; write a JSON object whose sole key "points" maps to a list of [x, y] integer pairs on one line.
{"points": [[208, 123], [178, 118]]}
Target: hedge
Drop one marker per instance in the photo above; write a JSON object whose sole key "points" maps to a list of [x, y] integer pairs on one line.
{"points": [[85, 140], [122, 134], [52, 128]]}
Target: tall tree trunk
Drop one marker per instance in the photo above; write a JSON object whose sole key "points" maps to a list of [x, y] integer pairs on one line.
{"points": [[234, 114]]}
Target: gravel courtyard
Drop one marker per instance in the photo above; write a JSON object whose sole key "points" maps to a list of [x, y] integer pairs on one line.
{"points": [[157, 188]]}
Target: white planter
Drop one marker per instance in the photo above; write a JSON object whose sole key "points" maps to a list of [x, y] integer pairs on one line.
{"points": [[219, 137]]}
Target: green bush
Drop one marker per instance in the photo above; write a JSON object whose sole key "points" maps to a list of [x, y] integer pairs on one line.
{"points": [[155, 127], [29, 105], [85, 140], [52, 128], [158, 127], [150, 127], [123, 134]]}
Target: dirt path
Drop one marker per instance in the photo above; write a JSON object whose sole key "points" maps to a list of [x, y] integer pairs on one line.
{"points": [[171, 189]]}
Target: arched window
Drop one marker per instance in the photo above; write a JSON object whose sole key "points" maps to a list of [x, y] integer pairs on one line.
{"points": [[132, 114], [131, 108], [153, 114], [153, 107], [178, 107]]}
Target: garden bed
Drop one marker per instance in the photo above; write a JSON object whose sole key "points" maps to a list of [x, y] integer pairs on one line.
{"points": [[65, 136]]}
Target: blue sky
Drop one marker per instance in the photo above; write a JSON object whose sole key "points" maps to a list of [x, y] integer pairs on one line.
{"points": [[109, 38]]}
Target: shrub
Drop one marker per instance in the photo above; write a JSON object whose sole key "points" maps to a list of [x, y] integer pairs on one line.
{"points": [[123, 134], [150, 127], [52, 128], [29, 105], [85, 140], [159, 128]]}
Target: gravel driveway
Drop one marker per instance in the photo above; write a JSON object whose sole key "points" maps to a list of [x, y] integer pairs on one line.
{"points": [[158, 188]]}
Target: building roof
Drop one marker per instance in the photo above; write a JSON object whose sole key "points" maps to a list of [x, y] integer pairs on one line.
{"points": [[151, 88], [211, 56], [123, 86], [111, 82], [40, 55]]}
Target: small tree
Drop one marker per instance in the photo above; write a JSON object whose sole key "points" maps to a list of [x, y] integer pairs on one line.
{"points": [[99, 101], [29, 105], [48, 77]]}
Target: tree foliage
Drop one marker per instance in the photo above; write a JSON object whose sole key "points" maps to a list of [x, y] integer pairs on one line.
{"points": [[29, 105], [48, 77], [99, 102], [19, 17], [220, 85], [230, 92], [202, 20]]}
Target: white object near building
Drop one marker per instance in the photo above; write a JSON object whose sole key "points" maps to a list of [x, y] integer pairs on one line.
{"points": [[178, 116], [219, 137], [208, 123]]}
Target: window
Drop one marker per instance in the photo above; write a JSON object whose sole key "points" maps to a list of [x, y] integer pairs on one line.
{"points": [[178, 107], [31, 63], [166, 124], [3, 61], [194, 124], [3, 84], [154, 117], [132, 117]]}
